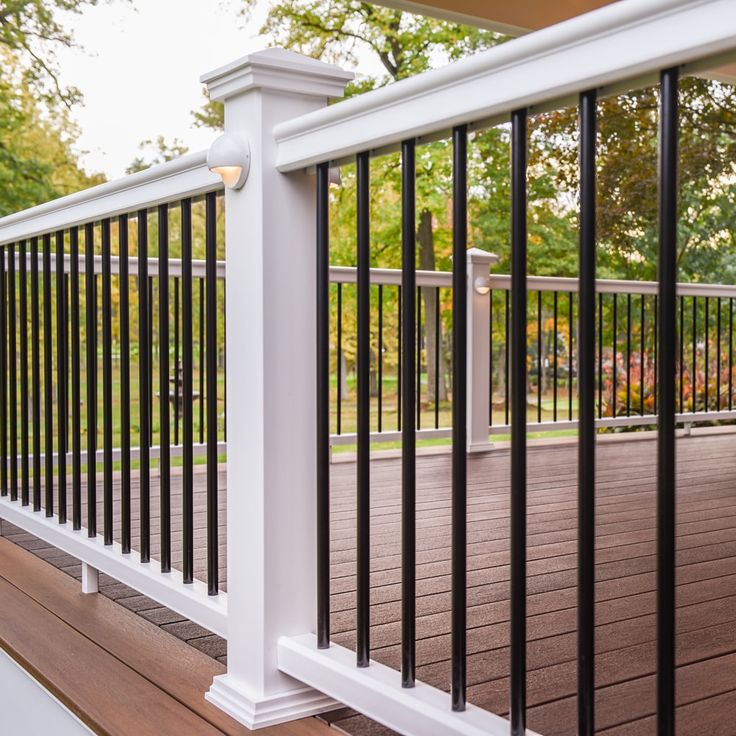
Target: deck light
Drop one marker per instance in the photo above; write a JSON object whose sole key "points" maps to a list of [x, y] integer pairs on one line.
{"points": [[482, 285], [229, 156]]}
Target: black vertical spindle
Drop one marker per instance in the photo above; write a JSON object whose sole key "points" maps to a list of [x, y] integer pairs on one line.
{"points": [[730, 353], [123, 285], [666, 479], [13, 378], [201, 361], [615, 352], [91, 376], [107, 498], [144, 376], [571, 306], [163, 357], [211, 348], [694, 379], [419, 358], [61, 378], [555, 307], [36, 376], [682, 353], [380, 357], [399, 349], [540, 370], [48, 376], [628, 355], [459, 416], [23, 329], [3, 383], [323, 406], [186, 392], [177, 366], [706, 357], [600, 355], [586, 414], [363, 411], [517, 709], [718, 355], [507, 355], [437, 348], [76, 396], [408, 436]]}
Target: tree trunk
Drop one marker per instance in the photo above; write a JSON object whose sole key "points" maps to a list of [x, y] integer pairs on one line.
{"points": [[425, 236]]}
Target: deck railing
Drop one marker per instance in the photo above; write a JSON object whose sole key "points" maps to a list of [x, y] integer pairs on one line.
{"points": [[99, 356], [625, 365], [276, 615]]}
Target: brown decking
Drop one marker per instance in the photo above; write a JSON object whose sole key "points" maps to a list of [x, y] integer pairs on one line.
{"points": [[625, 581]]}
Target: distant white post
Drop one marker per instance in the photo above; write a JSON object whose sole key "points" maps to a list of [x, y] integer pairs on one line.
{"points": [[479, 347], [271, 325]]}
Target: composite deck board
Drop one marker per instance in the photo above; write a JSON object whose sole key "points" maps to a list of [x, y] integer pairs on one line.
{"points": [[625, 578]]}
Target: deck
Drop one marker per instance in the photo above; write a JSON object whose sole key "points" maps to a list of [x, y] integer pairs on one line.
{"points": [[625, 565]]}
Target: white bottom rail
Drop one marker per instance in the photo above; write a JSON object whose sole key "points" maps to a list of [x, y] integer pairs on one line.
{"points": [[376, 692], [168, 589]]}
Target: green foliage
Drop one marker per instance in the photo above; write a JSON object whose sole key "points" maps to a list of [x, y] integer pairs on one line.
{"points": [[156, 152]]}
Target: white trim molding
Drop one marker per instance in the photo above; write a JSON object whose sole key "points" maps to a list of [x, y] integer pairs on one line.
{"points": [[618, 47], [376, 692]]}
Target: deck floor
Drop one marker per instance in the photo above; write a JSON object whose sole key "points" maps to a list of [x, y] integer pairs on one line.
{"points": [[625, 575]]}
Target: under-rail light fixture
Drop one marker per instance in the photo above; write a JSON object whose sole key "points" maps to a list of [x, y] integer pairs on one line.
{"points": [[229, 157], [482, 285]]}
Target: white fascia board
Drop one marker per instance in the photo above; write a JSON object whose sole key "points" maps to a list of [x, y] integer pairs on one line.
{"points": [[626, 43], [187, 176]]}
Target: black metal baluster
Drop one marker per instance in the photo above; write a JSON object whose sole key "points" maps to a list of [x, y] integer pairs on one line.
{"points": [[107, 498], [323, 406], [656, 342], [682, 353], [339, 358], [408, 436], [459, 417], [3, 381], [76, 383], [201, 361], [61, 378], [48, 377], [363, 411], [177, 366], [554, 355], [540, 317], [213, 583], [490, 359], [23, 329], [718, 355], [91, 376], [666, 480], [694, 380], [123, 285], [600, 355], [615, 353], [706, 357], [150, 355], [186, 392], [163, 358], [144, 386], [507, 356], [642, 351], [380, 357], [36, 376], [730, 353], [419, 358], [517, 709], [586, 413], [570, 348], [398, 360], [13, 377], [437, 348], [628, 355]]}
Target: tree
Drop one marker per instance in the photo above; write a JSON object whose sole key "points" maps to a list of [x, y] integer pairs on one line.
{"points": [[158, 152], [31, 32]]}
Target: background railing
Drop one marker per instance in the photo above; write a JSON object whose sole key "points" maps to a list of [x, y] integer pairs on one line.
{"points": [[626, 352]]}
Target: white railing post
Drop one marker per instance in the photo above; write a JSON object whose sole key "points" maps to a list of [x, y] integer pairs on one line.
{"points": [[479, 347], [270, 252]]}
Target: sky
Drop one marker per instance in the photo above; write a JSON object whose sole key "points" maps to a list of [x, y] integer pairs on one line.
{"points": [[139, 71]]}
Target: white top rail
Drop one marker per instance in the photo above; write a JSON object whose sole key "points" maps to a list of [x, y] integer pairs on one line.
{"points": [[502, 282], [187, 176], [618, 47]]}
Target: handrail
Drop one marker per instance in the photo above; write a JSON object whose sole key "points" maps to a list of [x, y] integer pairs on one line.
{"points": [[187, 176], [502, 282], [618, 47]]}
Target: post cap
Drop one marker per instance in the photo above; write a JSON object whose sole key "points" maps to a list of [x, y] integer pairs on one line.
{"points": [[277, 69], [478, 257]]}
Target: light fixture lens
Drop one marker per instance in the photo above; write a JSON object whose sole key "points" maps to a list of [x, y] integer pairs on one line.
{"points": [[482, 285], [229, 158], [228, 174]]}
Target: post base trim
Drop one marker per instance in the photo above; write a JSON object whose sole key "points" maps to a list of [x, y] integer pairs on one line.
{"points": [[233, 696]]}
